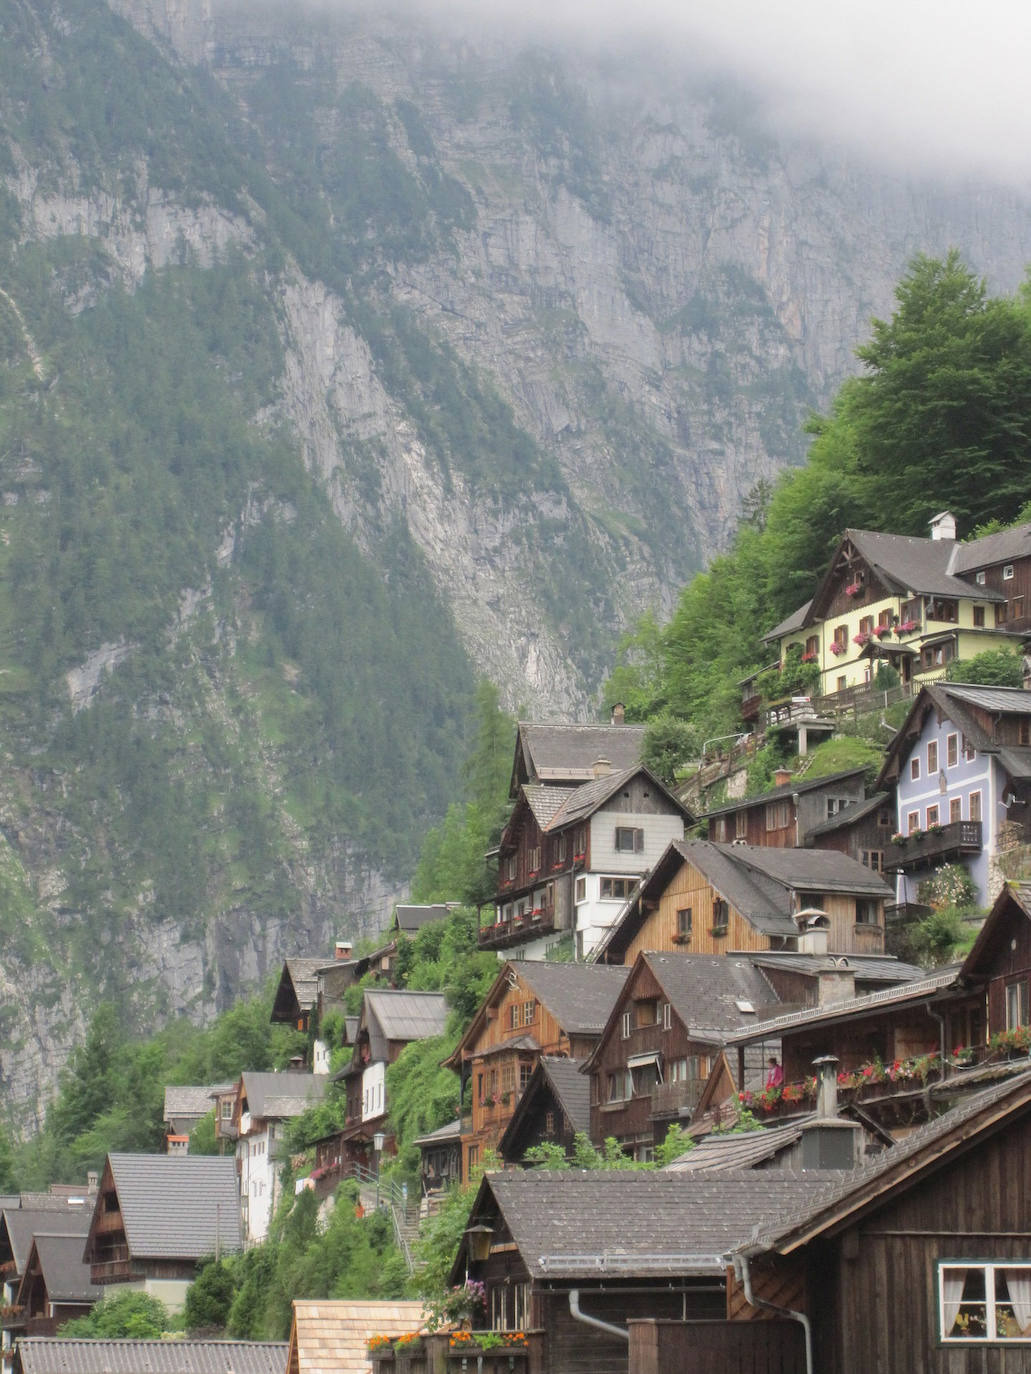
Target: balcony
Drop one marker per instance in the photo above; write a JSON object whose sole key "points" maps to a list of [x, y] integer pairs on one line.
{"points": [[672, 1099], [926, 849], [501, 934]]}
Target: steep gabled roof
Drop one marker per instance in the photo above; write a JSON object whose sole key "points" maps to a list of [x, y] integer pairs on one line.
{"points": [[730, 1151], [850, 814], [57, 1355], [708, 991], [757, 882], [578, 996], [281, 1095], [176, 1206], [398, 1015], [567, 753], [65, 1273], [554, 1080], [297, 990], [192, 1100], [1012, 903], [22, 1223], [409, 918], [555, 807], [596, 1224], [793, 622], [957, 702]]}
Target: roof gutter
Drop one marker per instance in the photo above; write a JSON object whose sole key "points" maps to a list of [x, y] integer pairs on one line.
{"points": [[580, 1316], [744, 1276]]}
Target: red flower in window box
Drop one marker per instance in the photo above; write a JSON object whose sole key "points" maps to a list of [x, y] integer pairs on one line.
{"points": [[863, 637], [837, 648], [853, 589]]}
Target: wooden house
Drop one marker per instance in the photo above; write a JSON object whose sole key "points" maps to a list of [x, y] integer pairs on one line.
{"points": [[999, 964], [18, 1226], [554, 1109], [570, 856], [156, 1217], [860, 829], [565, 754], [706, 898], [919, 1261], [265, 1102], [785, 816], [532, 1008], [664, 1031], [579, 1254], [913, 604], [56, 1285], [440, 1158], [960, 767]]}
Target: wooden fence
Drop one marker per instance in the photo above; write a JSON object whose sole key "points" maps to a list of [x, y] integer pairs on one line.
{"points": [[741, 1347]]}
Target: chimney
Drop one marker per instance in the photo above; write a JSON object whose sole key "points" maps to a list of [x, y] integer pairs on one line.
{"points": [[826, 1086], [835, 984], [343, 949], [943, 525], [829, 1142], [602, 768], [781, 777], [618, 713], [92, 1181]]}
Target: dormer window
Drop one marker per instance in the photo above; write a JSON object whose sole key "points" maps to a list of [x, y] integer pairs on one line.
{"points": [[1007, 572]]}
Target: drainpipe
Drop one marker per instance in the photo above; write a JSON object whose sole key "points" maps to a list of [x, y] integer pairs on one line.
{"points": [[577, 1315], [744, 1277], [941, 1038]]}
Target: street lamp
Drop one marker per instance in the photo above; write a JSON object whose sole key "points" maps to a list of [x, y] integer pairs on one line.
{"points": [[378, 1141]]}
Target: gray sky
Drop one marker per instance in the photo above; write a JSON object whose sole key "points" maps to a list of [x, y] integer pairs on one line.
{"points": [[921, 84]]}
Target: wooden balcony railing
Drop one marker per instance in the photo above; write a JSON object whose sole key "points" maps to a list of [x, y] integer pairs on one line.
{"points": [[500, 934], [930, 847], [669, 1099]]}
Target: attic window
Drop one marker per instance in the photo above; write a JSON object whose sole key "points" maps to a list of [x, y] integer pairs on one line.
{"points": [[744, 1006], [979, 578], [629, 840], [1007, 572]]}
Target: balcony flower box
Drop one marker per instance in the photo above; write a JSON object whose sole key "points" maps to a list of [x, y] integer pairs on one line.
{"points": [[853, 589], [863, 637], [882, 631], [899, 839], [808, 658], [837, 648], [936, 829], [906, 627]]}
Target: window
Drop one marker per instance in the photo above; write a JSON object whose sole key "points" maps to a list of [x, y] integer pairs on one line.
{"points": [[874, 860], [629, 840], [955, 810], [667, 1016], [508, 1078], [226, 1109], [979, 578], [935, 655], [866, 625], [685, 923], [912, 822], [741, 825], [514, 1016], [932, 757], [1017, 1007], [968, 749], [812, 647], [932, 816], [842, 683], [529, 1009], [1024, 732], [914, 768], [616, 889], [841, 635], [720, 914], [984, 1302], [978, 617], [561, 848], [778, 814], [951, 751], [510, 867], [1017, 608], [647, 1012], [1007, 572], [525, 1074], [721, 830], [834, 805], [533, 858], [549, 1124], [581, 890], [646, 1078], [940, 608], [911, 609], [1000, 613], [884, 618], [975, 806], [626, 1024], [621, 1086]]}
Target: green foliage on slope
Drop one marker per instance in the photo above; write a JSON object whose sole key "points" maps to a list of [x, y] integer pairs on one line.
{"points": [[936, 421]]}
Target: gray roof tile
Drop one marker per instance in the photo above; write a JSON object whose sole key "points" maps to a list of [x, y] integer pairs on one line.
{"points": [[704, 990], [579, 996], [65, 1273], [22, 1223], [177, 1207], [1004, 547], [268, 1093], [54, 1355], [400, 1015], [742, 1150], [568, 753]]}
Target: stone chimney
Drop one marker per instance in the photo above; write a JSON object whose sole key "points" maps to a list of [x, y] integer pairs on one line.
{"points": [[602, 768], [836, 984], [342, 949], [618, 713], [943, 525], [781, 777], [92, 1181]]}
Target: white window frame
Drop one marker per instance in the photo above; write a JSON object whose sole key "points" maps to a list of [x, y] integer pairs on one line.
{"points": [[629, 839], [991, 1335], [1007, 572]]}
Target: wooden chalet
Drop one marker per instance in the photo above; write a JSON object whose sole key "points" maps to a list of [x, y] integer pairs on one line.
{"points": [[569, 857], [861, 829], [578, 1254], [533, 1008], [554, 1109], [18, 1226], [56, 1285], [157, 1216], [914, 604], [999, 964], [440, 1158], [662, 1036], [785, 816], [920, 1261], [566, 754], [706, 898]]}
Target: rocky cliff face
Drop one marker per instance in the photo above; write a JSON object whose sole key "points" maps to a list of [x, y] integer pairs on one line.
{"points": [[535, 324]]}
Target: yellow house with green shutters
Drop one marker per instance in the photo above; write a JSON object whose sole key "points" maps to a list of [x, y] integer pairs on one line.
{"points": [[915, 604]]}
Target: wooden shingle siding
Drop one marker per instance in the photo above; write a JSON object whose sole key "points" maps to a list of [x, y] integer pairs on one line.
{"points": [[690, 889]]}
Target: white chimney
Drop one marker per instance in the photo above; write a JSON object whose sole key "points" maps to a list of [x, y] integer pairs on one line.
{"points": [[618, 713], [602, 768], [943, 525]]}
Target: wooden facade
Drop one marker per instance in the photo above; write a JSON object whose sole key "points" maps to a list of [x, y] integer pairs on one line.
{"points": [[716, 926], [1000, 961], [781, 819], [717, 1347]]}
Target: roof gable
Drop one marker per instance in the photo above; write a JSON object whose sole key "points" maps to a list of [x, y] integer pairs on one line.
{"points": [[567, 753], [173, 1206]]}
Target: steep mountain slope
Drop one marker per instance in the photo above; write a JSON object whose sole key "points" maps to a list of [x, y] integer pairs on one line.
{"points": [[341, 359]]}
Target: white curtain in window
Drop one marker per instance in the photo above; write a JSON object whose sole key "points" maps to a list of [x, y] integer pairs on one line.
{"points": [[952, 1295], [1018, 1281]]}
